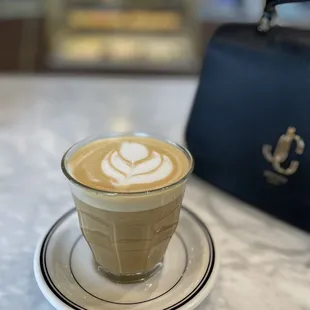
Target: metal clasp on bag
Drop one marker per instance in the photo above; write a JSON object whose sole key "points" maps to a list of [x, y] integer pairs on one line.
{"points": [[267, 18], [281, 152], [265, 22]]}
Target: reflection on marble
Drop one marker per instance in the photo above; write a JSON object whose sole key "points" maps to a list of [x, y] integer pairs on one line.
{"points": [[265, 264]]}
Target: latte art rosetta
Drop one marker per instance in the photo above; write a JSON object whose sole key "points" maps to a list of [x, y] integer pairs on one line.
{"points": [[133, 163], [128, 164]]}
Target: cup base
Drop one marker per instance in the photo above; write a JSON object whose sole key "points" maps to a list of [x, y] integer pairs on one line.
{"points": [[128, 278]]}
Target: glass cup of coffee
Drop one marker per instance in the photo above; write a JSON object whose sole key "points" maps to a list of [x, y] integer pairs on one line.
{"points": [[128, 191]]}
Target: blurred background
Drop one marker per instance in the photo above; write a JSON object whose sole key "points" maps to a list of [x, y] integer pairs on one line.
{"points": [[127, 36]]}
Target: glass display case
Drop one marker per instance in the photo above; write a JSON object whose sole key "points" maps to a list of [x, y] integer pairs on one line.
{"points": [[153, 35]]}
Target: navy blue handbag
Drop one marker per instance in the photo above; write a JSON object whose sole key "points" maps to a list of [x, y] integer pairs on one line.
{"points": [[249, 128]]}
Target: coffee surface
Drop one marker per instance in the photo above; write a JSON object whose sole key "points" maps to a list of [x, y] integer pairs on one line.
{"points": [[128, 164]]}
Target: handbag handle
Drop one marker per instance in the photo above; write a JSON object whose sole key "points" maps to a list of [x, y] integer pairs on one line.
{"points": [[265, 22]]}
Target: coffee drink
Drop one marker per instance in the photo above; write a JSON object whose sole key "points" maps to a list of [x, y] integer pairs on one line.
{"points": [[128, 191]]}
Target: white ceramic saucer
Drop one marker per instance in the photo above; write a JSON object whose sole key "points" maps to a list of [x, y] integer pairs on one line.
{"points": [[66, 275]]}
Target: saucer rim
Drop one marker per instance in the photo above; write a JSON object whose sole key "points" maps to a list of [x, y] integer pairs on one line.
{"points": [[198, 297]]}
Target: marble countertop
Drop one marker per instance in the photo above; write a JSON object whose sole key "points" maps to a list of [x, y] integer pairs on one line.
{"points": [[265, 264]]}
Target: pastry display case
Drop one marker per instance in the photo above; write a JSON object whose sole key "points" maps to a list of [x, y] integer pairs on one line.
{"points": [[151, 35]]}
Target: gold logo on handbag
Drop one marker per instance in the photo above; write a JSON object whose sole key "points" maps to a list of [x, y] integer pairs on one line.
{"points": [[281, 152]]}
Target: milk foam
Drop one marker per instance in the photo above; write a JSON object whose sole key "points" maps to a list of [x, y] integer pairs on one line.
{"points": [[134, 163], [128, 203]]}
